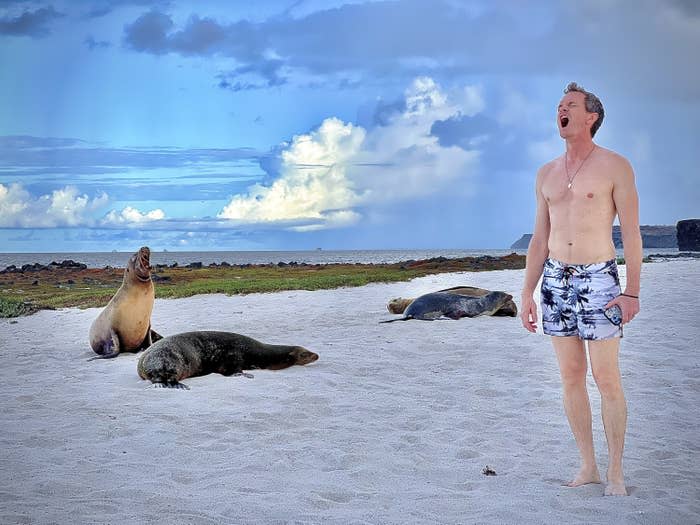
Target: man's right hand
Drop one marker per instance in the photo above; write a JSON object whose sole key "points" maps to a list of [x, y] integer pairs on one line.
{"points": [[528, 313]]}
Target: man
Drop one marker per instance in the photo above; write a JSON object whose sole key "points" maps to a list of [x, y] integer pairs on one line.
{"points": [[578, 196]]}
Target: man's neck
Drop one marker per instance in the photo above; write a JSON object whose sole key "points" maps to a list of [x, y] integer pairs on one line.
{"points": [[578, 148]]}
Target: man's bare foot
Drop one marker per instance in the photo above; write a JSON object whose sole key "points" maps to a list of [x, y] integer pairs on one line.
{"points": [[615, 487], [584, 477]]}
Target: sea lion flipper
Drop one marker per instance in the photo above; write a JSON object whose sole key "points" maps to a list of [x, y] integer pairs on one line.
{"points": [[244, 374], [151, 337], [175, 384], [155, 336]]}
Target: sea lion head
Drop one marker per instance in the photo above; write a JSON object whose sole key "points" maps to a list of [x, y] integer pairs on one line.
{"points": [[398, 305], [139, 265], [495, 300], [302, 356]]}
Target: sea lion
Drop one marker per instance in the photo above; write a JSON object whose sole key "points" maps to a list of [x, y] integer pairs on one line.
{"points": [[191, 354], [125, 323], [509, 309], [446, 304]]}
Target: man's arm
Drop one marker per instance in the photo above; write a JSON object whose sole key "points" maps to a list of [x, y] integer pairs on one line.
{"points": [[627, 206], [537, 252]]}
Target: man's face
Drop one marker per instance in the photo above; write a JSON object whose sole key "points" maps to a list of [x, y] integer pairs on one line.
{"points": [[572, 117]]}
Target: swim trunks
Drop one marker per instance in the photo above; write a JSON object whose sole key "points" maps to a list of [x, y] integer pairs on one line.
{"points": [[574, 296]]}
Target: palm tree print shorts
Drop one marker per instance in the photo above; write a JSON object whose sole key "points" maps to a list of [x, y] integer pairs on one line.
{"points": [[574, 298]]}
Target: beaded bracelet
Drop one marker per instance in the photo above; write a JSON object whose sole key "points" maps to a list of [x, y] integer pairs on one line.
{"points": [[632, 296]]}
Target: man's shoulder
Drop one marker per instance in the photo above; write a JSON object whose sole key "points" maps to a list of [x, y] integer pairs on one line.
{"points": [[549, 166], [613, 157]]}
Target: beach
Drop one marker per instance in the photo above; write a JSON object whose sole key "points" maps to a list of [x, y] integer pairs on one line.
{"points": [[394, 423]]}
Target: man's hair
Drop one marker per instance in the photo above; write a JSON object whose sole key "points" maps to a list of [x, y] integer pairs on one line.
{"points": [[593, 105]]}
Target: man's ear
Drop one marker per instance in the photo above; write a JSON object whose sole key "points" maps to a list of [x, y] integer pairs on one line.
{"points": [[592, 118]]}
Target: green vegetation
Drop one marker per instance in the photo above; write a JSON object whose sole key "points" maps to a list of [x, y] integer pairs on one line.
{"points": [[621, 260], [14, 308], [22, 293]]}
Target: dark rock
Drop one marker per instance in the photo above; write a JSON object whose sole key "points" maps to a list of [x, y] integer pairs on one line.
{"points": [[67, 264], [33, 267], [35, 283], [194, 265], [159, 278], [225, 264], [688, 235], [652, 237], [70, 281]]}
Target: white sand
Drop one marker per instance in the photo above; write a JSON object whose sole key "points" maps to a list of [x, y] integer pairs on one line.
{"points": [[393, 424]]}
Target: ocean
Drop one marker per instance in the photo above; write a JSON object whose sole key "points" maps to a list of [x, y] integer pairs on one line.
{"points": [[119, 259]]}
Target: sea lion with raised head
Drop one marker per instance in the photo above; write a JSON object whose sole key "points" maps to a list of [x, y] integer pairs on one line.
{"points": [[125, 323], [455, 306], [191, 354], [509, 308]]}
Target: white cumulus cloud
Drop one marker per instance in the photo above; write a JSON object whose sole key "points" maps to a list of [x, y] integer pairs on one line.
{"points": [[63, 207], [327, 174], [131, 215]]}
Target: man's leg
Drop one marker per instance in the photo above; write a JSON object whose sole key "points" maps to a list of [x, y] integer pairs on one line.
{"points": [[571, 355], [606, 372]]}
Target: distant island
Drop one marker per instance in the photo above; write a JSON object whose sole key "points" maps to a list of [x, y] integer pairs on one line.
{"points": [[652, 237]]}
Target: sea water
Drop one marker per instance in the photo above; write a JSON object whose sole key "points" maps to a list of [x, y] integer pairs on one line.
{"points": [[119, 259]]}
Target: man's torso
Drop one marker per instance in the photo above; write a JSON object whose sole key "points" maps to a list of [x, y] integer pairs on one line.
{"points": [[581, 217]]}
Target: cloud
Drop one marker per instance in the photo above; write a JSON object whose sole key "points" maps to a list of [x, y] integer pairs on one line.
{"points": [[327, 176], [34, 24], [406, 38], [131, 215], [313, 178], [93, 44], [22, 152], [64, 207]]}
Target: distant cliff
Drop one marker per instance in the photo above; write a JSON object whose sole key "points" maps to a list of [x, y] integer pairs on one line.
{"points": [[652, 237]]}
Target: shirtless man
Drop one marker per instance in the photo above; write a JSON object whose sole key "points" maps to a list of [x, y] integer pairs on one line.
{"points": [[578, 196]]}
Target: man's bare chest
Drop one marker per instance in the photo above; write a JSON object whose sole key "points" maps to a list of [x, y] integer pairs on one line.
{"points": [[590, 189]]}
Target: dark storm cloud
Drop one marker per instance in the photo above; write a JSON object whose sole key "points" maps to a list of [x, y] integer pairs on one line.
{"points": [[262, 74], [154, 32], [35, 24], [409, 37], [93, 44], [460, 130]]}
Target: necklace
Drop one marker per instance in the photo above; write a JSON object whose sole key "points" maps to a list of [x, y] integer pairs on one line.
{"points": [[566, 166]]}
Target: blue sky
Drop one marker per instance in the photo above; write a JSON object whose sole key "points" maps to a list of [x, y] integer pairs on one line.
{"points": [[273, 124]]}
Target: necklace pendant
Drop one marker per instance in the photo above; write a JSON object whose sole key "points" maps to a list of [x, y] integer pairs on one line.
{"points": [[569, 186]]}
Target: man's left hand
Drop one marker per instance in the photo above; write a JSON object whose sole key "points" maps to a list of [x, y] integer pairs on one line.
{"points": [[628, 305]]}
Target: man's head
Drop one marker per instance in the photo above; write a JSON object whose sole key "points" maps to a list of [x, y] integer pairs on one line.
{"points": [[579, 110]]}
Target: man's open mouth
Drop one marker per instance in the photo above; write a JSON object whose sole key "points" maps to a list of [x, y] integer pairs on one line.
{"points": [[564, 122]]}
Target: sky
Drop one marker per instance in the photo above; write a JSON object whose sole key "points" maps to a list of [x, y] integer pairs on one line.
{"points": [[304, 124]]}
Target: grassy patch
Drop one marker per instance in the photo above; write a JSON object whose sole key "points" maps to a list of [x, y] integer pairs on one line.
{"points": [[15, 308], [24, 292]]}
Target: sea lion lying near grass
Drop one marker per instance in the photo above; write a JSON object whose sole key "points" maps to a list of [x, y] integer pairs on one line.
{"points": [[191, 354], [509, 309], [455, 306]]}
